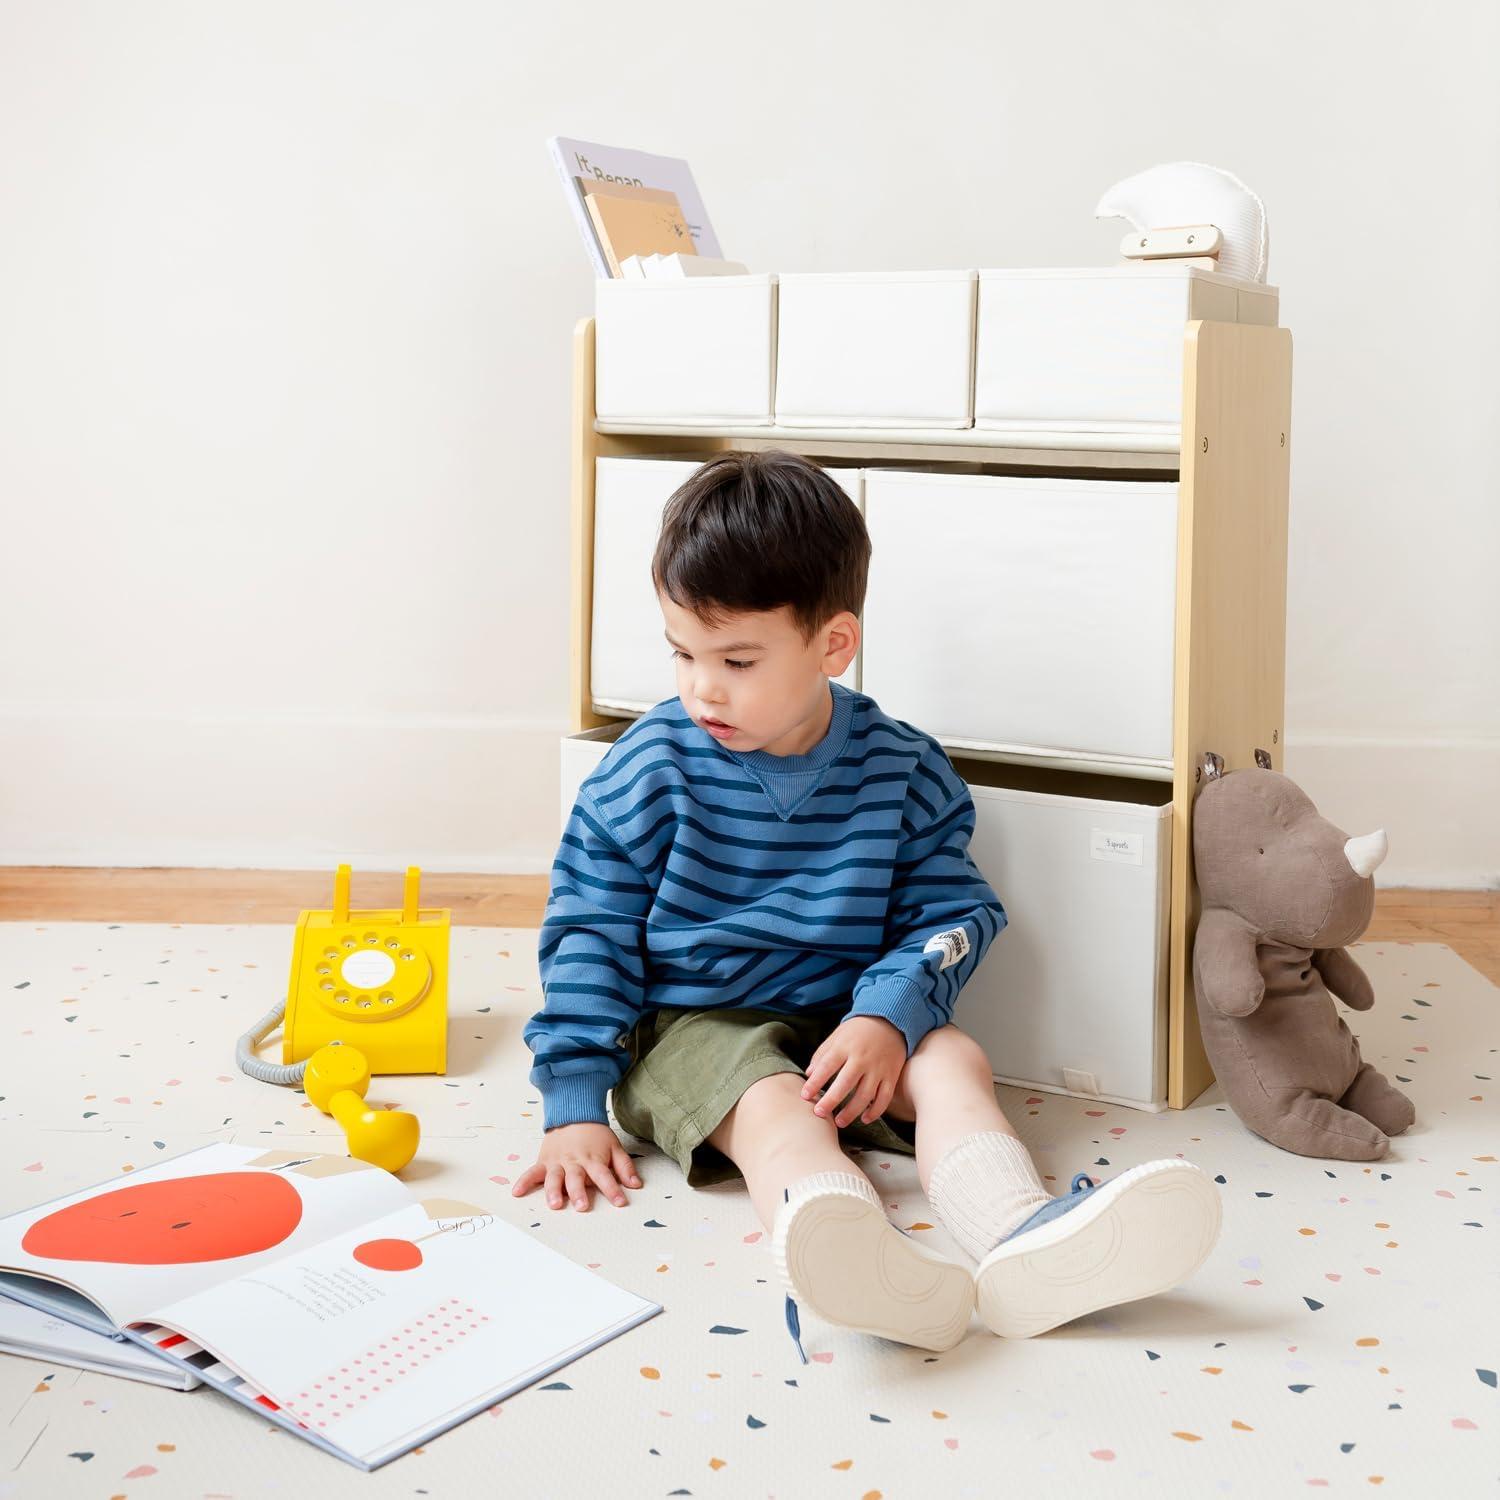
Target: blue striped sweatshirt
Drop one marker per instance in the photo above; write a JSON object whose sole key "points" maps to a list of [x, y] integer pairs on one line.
{"points": [[694, 876]]}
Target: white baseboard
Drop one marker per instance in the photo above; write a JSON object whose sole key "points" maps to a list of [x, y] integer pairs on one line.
{"points": [[88, 785], [1438, 800], [102, 785]]}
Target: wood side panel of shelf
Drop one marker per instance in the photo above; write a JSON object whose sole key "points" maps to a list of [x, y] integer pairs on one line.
{"points": [[1230, 665], [1229, 682]]}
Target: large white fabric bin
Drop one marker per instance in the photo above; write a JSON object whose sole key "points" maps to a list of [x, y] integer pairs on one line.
{"points": [[630, 663], [1072, 995], [697, 353], [1025, 615], [1096, 346], [876, 349]]}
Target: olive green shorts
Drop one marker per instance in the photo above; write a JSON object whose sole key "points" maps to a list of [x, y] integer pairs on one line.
{"points": [[688, 1069]]}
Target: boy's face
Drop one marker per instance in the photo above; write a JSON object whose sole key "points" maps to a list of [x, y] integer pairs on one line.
{"points": [[752, 681]]}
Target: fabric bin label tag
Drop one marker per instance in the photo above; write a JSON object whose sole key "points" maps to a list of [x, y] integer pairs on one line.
{"points": [[1117, 848]]}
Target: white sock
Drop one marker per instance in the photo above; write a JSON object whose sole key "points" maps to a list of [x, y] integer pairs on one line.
{"points": [[825, 1182], [982, 1188]]}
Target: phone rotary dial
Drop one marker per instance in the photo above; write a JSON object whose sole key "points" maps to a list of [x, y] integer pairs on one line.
{"points": [[364, 976]]}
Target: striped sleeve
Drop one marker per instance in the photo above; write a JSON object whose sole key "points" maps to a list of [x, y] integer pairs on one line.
{"points": [[592, 957], [942, 917]]}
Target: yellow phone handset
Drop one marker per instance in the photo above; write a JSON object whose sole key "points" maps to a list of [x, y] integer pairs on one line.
{"points": [[336, 1080], [375, 980]]}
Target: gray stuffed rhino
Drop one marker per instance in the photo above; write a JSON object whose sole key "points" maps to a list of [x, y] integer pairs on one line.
{"points": [[1284, 892]]}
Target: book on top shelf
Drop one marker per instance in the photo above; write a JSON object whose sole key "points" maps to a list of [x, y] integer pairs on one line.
{"points": [[635, 222], [605, 166], [316, 1290]]}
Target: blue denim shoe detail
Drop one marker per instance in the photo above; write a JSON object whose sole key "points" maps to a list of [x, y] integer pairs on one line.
{"points": [[794, 1326], [1054, 1207], [793, 1321]]}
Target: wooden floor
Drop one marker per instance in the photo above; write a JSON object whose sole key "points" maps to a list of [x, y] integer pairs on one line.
{"points": [[1467, 921], [234, 896]]}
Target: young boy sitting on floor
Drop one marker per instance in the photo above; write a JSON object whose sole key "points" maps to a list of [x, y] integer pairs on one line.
{"points": [[761, 914]]}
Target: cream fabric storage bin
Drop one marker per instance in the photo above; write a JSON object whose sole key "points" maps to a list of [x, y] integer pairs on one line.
{"points": [[1097, 346], [1030, 616], [631, 664], [881, 349], [1072, 995], [700, 352]]}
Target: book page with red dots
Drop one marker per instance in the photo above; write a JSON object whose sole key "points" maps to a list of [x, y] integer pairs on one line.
{"points": [[379, 1338], [401, 1354], [190, 1222]]}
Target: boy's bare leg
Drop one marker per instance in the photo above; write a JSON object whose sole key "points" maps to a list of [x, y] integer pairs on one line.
{"points": [[947, 1088], [978, 1176], [774, 1138], [833, 1245]]}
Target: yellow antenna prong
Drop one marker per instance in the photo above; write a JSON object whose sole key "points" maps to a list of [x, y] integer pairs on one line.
{"points": [[341, 894], [412, 894]]}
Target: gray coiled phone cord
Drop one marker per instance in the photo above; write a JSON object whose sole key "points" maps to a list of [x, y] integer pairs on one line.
{"points": [[267, 1072]]}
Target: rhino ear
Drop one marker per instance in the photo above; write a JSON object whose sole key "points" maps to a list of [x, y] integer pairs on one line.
{"points": [[1213, 766], [1263, 759]]}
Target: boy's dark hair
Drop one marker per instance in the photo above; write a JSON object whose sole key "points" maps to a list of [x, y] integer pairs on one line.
{"points": [[756, 531]]}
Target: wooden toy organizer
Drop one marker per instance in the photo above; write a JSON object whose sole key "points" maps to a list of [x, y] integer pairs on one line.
{"points": [[1232, 465]]}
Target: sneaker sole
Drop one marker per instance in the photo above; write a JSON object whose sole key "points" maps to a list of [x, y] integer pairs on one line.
{"points": [[840, 1256], [1141, 1233]]}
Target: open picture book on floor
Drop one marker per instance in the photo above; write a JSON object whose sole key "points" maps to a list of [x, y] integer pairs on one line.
{"points": [[316, 1289]]}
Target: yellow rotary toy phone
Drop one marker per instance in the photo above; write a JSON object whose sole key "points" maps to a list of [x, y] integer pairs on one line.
{"points": [[368, 991]]}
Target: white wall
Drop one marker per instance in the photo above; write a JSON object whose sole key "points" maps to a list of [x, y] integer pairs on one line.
{"points": [[286, 296]]}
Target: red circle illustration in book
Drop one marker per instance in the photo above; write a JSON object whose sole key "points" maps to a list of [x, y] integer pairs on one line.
{"points": [[214, 1216], [388, 1255]]}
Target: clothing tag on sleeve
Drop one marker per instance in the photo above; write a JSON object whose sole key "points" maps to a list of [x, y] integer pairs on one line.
{"points": [[953, 945]]}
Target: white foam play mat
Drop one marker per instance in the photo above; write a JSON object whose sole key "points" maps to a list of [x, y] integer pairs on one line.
{"points": [[1344, 1335]]}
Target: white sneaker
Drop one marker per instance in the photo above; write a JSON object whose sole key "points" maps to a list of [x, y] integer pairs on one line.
{"points": [[1138, 1234], [838, 1254]]}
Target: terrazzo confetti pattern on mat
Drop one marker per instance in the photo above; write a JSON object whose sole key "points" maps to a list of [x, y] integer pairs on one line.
{"points": [[1343, 1335]]}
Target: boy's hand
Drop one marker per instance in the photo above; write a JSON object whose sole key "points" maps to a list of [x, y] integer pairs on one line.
{"points": [[868, 1054], [573, 1159]]}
